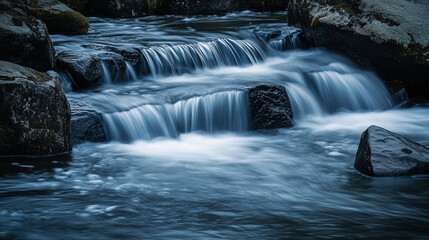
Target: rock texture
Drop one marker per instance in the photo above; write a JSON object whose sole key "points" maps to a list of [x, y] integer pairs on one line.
{"points": [[391, 36], [24, 40], [269, 107], [35, 113], [384, 153], [86, 123], [118, 8], [192, 7], [138, 8]]}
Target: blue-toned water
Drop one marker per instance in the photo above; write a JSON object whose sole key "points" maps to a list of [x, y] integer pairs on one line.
{"points": [[181, 163]]}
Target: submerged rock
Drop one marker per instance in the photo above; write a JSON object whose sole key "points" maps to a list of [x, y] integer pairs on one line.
{"points": [[390, 36], [384, 153], [35, 113], [86, 123], [269, 107], [24, 40]]}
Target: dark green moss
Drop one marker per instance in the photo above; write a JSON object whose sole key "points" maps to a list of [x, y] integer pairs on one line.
{"points": [[70, 22]]}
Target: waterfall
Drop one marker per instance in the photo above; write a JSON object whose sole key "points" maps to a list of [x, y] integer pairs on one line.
{"points": [[106, 73], [288, 41], [223, 111], [178, 59], [131, 72], [325, 92]]}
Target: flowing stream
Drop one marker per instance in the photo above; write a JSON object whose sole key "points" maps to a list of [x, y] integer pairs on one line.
{"points": [[181, 163]]}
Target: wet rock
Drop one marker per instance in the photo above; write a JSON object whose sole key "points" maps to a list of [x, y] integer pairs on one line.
{"points": [[35, 113], [86, 69], [392, 37], [269, 107], [24, 40], [283, 39], [384, 153], [86, 123], [400, 97], [130, 55]]}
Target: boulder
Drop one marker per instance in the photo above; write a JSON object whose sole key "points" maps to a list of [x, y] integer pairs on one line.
{"points": [[269, 107], [60, 18], [118, 8], [390, 36], [25, 41], [86, 123], [87, 70], [35, 113], [384, 153]]}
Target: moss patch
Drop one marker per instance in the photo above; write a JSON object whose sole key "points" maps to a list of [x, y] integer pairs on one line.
{"points": [[70, 22]]}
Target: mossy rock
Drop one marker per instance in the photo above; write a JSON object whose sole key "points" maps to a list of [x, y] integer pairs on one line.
{"points": [[68, 22]]}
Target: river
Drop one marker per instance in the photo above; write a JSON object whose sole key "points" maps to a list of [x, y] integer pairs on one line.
{"points": [[181, 163]]}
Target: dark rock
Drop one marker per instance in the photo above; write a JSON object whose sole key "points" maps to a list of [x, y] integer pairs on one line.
{"points": [[86, 123], [269, 107], [130, 55], [392, 37], [58, 17], [384, 153], [35, 113], [283, 39], [138, 8], [77, 5], [86, 69], [24, 40], [400, 97], [118, 9]]}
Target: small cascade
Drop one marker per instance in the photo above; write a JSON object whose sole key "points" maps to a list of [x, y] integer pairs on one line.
{"points": [[288, 41], [107, 78], [223, 111], [178, 59], [131, 72], [325, 92]]}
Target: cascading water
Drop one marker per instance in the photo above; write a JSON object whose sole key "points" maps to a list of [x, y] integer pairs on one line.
{"points": [[288, 41], [106, 76], [131, 72], [329, 91], [178, 59], [224, 111]]}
